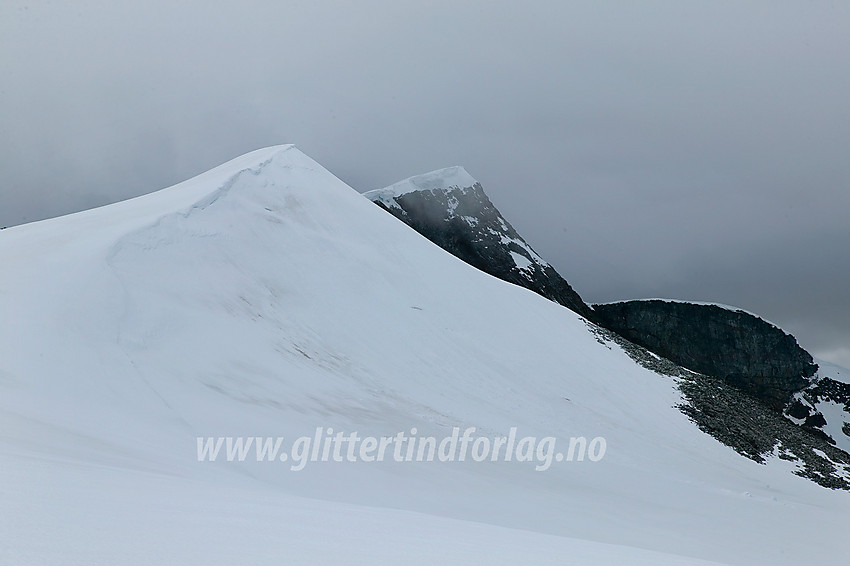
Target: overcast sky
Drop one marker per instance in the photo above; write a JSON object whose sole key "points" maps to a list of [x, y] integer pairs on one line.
{"points": [[693, 150]]}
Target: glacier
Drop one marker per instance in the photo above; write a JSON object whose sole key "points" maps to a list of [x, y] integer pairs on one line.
{"points": [[266, 298]]}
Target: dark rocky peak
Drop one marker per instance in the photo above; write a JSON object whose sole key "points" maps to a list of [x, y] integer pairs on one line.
{"points": [[736, 346], [450, 208]]}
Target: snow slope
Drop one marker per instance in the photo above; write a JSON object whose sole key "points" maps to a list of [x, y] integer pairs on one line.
{"points": [[267, 298]]}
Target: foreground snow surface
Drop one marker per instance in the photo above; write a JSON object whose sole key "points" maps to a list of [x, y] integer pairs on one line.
{"points": [[267, 298]]}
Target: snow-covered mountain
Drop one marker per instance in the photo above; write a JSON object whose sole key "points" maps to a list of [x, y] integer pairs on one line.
{"points": [[738, 348], [266, 298]]}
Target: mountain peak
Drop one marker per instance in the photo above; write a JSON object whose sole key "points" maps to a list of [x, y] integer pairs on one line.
{"points": [[450, 208], [448, 178]]}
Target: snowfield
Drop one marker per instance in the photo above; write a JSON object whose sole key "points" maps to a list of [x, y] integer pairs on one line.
{"points": [[267, 298]]}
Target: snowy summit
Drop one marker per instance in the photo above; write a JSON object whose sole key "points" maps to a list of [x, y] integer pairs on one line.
{"points": [[449, 178]]}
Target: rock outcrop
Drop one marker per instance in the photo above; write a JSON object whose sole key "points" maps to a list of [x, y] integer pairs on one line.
{"points": [[738, 347]]}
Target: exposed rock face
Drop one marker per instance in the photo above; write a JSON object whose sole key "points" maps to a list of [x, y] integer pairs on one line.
{"points": [[823, 408], [742, 349], [450, 208]]}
